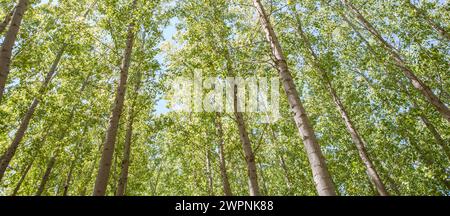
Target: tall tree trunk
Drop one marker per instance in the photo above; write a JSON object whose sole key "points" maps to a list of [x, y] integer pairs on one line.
{"points": [[20, 133], [73, 162], [287, 176], [8, 43], [68, 178], [322, 178], [6, 21], [46, 176], [361, 146], [108, 147], [351, 129], [59, 185], [393, 185], [243, 134], [69, 121], [265, 190], [433, 24], [222, 163], [47, 131], [439, 140], [407, 71], [121, 186], [209, 173], [22, 178], [429, 125], [91, 169], [247, 146]]}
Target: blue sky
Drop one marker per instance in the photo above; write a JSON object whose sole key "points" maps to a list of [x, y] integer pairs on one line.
{"points": [[168, 33]]}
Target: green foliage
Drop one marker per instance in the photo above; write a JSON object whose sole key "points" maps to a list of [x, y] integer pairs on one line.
{"points": [[168, 155]]}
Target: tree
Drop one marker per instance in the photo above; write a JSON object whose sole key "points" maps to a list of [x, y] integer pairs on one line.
{"points": [[352, 130], [6, 21], [322, 178], [401, 63], [8, 43], [20, 133], [111, 134], [64, 105]]}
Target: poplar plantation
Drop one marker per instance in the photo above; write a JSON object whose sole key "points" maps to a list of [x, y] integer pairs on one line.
{"points": [[357, 101]]}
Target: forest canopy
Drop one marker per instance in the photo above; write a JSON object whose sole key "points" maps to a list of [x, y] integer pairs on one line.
{"points": [[360, 90]]}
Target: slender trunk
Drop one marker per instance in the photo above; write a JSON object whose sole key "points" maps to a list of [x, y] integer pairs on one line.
{"points": [[91, 169], [88, 178], [247, 146], [69, 178], [322, 178], [222, 163], [424, 16], [46, 176], [59, 186], [6, 21], [121, 186], [355, 29], [373, 192], [287, 176], [108, 146], [351, 129], [393, 185], [8, 155], [69, 121], [22, 178], [8, 43], [361, 146], [209, 173], [34, 156], [407, 71], [243, 134], [439, 140], [20, 133]]}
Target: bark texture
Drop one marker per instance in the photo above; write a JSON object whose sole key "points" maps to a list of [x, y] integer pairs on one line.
{"points": [[121, 186], [351, 128], [8, 43], [247, 146], [46, 176], [101, 181], [20, 133], [322, 178], [22, 178], [417, 83], [222, 161]]}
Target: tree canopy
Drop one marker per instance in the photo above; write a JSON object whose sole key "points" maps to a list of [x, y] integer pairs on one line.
{"points": [[86, 97]]}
